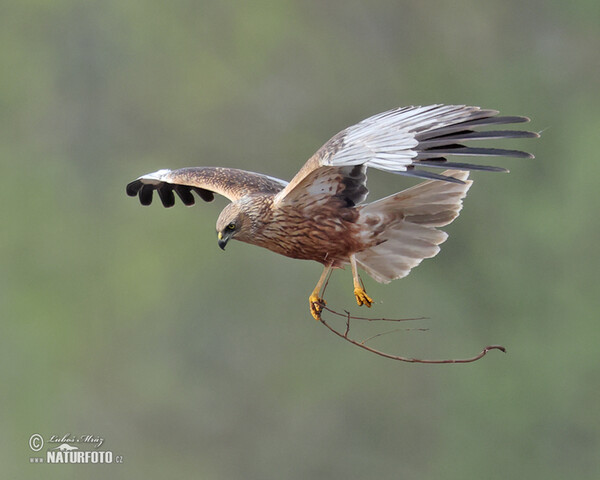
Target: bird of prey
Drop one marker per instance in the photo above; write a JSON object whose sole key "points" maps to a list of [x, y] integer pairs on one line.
{"points": [[321, 215]]}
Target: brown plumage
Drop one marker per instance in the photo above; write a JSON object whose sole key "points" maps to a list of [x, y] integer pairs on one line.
{"points": [[319, 214]]}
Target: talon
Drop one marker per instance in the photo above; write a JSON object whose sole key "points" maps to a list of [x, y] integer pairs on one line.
{"points": [[362, 298], [316, 306]]}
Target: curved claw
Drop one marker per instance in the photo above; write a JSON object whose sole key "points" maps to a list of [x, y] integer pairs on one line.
{"points": [[362, 298], [316, 306]]}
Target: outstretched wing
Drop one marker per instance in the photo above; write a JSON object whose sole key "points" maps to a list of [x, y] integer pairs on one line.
{"points": [[205, 181], [401, 141]]}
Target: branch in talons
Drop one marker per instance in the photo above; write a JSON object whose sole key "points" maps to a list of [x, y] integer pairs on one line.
{"points": [[347, 316], [362, 344]]}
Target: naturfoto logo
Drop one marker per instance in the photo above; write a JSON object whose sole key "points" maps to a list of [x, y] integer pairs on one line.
{"points": [[71, 449]]}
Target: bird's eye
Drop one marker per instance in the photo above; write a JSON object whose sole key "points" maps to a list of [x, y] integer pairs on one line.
{"points": [[231, 226]]}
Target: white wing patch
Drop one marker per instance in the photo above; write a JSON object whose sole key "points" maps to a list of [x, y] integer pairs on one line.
{"points": [[156, 177], [386, 141]]}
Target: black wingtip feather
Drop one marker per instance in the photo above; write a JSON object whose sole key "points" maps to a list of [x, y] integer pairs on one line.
{"points": [[205, 195], [468, 135], [496, 120], [146, 194], [469, 151], [185, 194], [133, 188], [443, 163], [428, 175], [165, 192], [468, 125]]}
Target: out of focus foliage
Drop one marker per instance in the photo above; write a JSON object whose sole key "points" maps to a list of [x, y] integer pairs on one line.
{"points": [[130, 323]]}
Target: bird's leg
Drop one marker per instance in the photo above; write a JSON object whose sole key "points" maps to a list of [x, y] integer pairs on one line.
{"points": [[315, 301], [359, 291]]}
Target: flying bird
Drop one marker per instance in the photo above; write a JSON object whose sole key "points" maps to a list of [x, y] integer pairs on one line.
{"points": [[321, 215]]}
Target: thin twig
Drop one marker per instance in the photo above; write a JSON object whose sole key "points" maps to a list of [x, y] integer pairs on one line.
{"points": [[363, 345], [389, 332], [380, 335], [347, 316], [346, 336]]}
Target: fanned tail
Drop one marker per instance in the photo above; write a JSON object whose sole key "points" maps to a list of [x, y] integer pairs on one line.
{"points": [[404, 225]]}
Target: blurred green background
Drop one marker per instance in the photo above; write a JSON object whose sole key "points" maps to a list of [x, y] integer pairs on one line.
{"points": [[131, 324]]}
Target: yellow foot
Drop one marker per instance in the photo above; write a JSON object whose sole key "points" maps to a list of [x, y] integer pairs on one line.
{"points": [[362, 298], [316, 306]]}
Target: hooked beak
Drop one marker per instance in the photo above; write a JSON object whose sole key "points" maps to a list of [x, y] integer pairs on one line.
{"points": [[222, 240]]}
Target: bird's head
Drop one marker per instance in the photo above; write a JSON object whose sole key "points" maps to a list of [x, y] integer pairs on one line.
{"points": [[232, 223]]}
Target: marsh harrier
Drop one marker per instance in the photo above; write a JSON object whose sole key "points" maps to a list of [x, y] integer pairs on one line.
{"points": [[321, 215]]}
